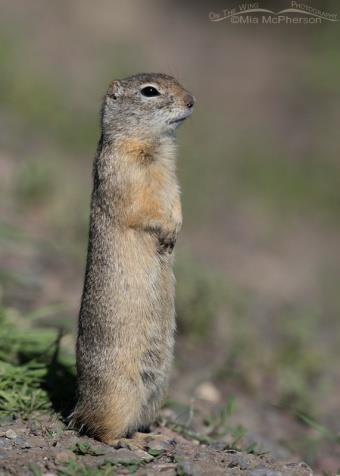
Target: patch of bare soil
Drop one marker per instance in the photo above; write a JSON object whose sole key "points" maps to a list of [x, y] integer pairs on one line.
{"points": [[44, 446]]}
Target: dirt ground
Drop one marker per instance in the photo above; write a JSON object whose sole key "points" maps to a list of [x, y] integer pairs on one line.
{"points": [[43, 446]]}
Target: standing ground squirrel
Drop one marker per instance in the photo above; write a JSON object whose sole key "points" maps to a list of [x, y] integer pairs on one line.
{"points": [[127, 318]]}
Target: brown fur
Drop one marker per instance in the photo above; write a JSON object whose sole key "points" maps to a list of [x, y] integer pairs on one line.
{"points": [[136, 150], [126, 322]]}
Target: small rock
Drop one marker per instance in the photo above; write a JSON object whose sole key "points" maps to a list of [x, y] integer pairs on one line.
{"points": [[166, 469], [298, 467], [19, 441], [240, 461], [218, 445], [5, 444], [184, 466], [123, 456], [264, 472], [161, 445], [207, 391], [10, 434], [34, 428], [64, 456], [143, 455]]}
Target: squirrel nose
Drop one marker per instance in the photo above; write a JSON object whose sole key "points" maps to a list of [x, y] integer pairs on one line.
{"points": [[189, 101]]}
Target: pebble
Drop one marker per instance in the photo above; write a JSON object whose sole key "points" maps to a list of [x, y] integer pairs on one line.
{"points": [[5, 444], [264, 472], [19, 441], [64, 456], [208, 392], [123, 456], [186, 467], [218, 445], [161, 445], [10, 434], [143, 455], [240, 461], [298, 467], [165, 468], [35, 429]]}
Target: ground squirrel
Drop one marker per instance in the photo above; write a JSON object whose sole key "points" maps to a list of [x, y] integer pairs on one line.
{"points": [[127, 319]]}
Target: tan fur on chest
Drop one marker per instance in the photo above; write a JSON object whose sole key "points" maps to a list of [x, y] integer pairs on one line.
{"points": [[135, 151], [152, 188]]}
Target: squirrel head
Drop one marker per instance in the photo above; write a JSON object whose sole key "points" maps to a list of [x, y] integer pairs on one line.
{"points": [[146, 105]]}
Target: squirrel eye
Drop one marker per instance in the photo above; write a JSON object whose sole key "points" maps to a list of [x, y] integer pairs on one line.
{"points": [[149, 91]]}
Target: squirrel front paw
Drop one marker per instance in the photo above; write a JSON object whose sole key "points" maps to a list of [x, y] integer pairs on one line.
{"points": [[166, 241], [166, 238]]}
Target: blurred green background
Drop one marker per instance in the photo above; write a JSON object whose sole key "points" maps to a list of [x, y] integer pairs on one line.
{"points": [[258, 263]]}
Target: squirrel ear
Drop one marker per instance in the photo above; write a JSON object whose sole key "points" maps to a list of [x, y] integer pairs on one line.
{"points": [[114, 89]]}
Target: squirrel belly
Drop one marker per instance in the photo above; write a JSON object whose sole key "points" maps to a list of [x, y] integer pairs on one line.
{"points": [[122, 360]]}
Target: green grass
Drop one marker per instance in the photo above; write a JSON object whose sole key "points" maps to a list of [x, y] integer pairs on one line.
{"points": [[20, 389], [34, 374]]}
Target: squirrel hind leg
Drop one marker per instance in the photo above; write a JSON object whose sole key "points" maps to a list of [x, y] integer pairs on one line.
{"points": [[117, 414], [106, 427]]}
